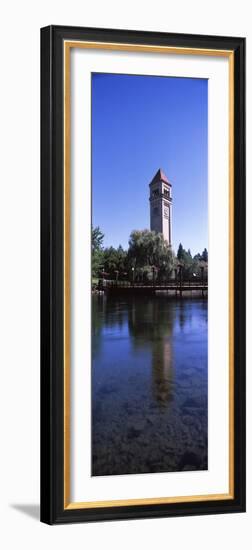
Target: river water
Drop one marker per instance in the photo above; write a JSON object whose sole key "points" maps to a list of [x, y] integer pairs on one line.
{"points": [[149, 385]]}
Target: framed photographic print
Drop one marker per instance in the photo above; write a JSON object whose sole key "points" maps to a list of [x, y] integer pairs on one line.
{"points": [[142, 274]]}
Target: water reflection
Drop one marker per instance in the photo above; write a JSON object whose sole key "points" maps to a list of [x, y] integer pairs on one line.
{"points": [[152, 323], [149, 385]]}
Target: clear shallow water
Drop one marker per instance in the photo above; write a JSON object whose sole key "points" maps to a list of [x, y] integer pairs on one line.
{"points": [[149, 385]]}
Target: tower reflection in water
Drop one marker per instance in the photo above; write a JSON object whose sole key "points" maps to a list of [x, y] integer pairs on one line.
{"points": [[151, 324], [149, 385]]}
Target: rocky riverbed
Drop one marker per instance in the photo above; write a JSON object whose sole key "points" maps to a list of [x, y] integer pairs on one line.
{"points": [[149, 387]]}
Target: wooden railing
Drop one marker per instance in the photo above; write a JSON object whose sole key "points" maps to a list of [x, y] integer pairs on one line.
{"points": [[196, 282]]}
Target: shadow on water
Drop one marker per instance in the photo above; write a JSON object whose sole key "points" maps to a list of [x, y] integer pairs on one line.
{"points": [[149, 385]]}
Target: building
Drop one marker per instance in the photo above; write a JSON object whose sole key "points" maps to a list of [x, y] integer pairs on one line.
{"points": [[161, 206]]}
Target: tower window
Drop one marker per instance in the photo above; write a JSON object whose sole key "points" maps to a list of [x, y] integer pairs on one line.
{"points": [[155, 193]]}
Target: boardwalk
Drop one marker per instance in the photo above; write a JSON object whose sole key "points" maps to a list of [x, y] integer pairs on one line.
{"points": [[172, 288]]}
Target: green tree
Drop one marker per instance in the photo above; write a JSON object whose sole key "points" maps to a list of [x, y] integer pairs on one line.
{"points": [[97, 251], [97, 239], [205, 255], [180, 252], [197, 257], [122, 260], [186, 260], [115, 262], [148, 249], [191, 265]]}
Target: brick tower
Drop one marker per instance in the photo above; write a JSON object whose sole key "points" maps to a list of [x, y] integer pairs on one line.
{"points": [[161, 206]]}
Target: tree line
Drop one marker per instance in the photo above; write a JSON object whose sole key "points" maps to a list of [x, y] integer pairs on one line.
{"points": [[148, 256]]}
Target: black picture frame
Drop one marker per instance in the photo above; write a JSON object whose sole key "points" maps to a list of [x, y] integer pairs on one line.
{"points": [[52, 295]]}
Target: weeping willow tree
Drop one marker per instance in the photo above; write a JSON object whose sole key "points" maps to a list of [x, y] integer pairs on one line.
{"points": [[148, 250]]}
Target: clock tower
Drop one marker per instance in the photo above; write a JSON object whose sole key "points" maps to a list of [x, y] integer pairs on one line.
{"points": [[161, 205]]}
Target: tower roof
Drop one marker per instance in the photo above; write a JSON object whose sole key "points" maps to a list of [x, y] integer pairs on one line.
{"points": [[160, 176]]}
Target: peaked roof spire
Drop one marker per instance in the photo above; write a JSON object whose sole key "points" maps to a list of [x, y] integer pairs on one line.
{"points": [[160, 176]]}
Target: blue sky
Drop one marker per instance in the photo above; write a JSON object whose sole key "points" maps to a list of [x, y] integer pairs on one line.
{"points": [[141, 124]]}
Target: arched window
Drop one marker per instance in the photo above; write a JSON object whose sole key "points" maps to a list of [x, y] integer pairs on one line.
{"points": [[166, 192]]}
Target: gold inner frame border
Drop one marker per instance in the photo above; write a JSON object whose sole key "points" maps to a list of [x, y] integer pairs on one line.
{"points": [[68, 45]]}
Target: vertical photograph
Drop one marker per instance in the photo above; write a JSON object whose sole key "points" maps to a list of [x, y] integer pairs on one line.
{"points": [[149, 274]]}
